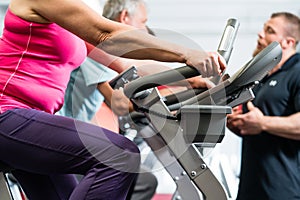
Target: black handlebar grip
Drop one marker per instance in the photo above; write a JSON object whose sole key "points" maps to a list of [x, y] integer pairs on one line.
{"points": [[162, 78]]}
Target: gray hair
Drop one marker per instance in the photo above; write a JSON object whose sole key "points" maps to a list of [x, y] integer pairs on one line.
{"points": [[113, 8]]}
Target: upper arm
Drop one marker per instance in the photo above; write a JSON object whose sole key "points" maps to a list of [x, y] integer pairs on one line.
{"points": [[78, 18]]}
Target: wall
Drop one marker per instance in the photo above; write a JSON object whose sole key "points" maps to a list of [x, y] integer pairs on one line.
{"points": [[203, 21]]}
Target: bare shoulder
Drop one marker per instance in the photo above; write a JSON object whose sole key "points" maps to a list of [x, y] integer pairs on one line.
{"points": [[57, 11], [25, 9]]}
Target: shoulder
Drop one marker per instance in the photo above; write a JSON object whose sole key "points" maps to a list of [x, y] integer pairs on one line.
{"points": [[293, 64], [293, 73], [25, 9]]}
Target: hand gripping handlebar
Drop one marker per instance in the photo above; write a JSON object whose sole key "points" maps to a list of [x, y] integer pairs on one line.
{"points": [[170, 76]]}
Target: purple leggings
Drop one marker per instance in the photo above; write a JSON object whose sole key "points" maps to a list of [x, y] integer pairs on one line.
{"points": [[45, 150]]}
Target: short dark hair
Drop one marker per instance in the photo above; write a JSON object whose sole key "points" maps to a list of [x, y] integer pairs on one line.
{"points": [[293, 24]]}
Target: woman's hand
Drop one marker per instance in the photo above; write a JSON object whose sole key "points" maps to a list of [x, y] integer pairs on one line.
{"points": [[207, 63]]}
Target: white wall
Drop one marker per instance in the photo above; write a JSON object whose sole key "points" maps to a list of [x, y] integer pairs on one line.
{"points": [[203, 21]]}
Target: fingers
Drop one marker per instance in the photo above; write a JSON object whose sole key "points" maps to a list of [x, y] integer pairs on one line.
{"points": [[207, 63], [217, 63], [222, 63], [236, 114], [209, 84], [236, 119], [120, 104], [250, 106], [200, 82], [210, 66], [214, 65], [237, 109]]}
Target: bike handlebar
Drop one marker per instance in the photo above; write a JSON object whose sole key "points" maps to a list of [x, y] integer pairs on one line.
{"points": [[181, 73], [228, 38]]}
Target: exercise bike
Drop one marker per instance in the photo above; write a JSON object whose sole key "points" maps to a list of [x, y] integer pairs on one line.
{"points": [[176, 132], [181, 125]]}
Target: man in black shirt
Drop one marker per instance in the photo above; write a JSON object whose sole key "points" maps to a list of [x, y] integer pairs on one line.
{"points": [[270, 124]]}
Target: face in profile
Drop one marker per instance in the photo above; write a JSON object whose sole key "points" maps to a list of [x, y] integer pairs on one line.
{"points": [[273, 30]]}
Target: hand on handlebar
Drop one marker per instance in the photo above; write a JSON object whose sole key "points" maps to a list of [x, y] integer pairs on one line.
{"points": [[120, 104], [207, 63], [199, 82]]}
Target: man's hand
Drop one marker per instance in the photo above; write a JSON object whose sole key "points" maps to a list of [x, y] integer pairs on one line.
{"points": [[115, 99], [250, 123], [199, 82], [120, 104]]}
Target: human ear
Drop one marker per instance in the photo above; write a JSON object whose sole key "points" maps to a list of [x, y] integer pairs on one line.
{"points": [[290, 41], [123, 18]]}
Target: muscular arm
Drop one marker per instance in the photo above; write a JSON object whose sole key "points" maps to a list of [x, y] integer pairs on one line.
{"points": [[254, 122], [288, 127]]}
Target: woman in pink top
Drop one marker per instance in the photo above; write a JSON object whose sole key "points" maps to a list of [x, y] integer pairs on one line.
{"points": [[42, 42]]}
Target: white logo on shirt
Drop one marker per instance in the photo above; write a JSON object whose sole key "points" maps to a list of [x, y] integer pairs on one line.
{"points": [[273, 83]]}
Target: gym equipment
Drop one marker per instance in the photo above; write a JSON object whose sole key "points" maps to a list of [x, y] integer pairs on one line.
{"points": [[199, 121], [177, 133], [5, 191]]}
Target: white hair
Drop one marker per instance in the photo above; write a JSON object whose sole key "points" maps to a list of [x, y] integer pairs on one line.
{"points": [[113, 8]]}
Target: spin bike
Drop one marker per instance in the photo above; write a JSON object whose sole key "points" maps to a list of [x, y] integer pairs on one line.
{"points": [[177, 128], [181, 125]]}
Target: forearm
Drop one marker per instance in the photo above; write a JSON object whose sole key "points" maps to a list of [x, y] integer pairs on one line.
{"points": [[139, 45], [119, 64], [115, 99], [113, 62], [287, 127], [107, 91]]}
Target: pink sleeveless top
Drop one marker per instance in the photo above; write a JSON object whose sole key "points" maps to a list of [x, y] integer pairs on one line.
{"points": [[35, 64]]}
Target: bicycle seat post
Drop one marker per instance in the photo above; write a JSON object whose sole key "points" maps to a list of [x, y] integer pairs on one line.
{"points": [[5, 192]]}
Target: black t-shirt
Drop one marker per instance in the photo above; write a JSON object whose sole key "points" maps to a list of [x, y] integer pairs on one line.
{"points": [[271, 164]]}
